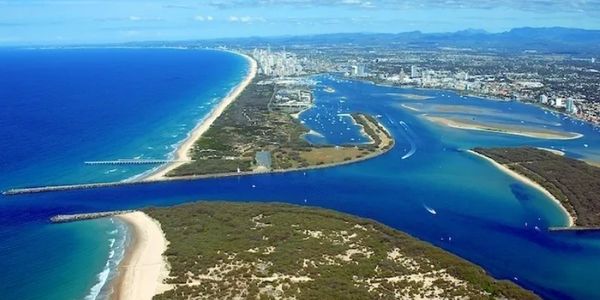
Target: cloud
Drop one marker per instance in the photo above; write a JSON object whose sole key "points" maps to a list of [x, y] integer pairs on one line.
{"points": [[540, 6], [143, 19], [203, 18], [246, 19]]}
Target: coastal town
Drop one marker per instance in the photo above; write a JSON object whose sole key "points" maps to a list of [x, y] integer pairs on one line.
{"points": [[560, 83]]}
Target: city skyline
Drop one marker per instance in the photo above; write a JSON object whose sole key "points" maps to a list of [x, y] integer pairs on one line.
{"points": [[74, 22]]}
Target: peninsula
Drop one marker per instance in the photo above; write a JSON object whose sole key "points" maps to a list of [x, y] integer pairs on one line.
{"points": [[258, 250], [253, 134], [573, 184], [249, 132]]}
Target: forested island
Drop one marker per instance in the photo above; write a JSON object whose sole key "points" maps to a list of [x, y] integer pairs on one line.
{"points": [[250, 125], [574, 183], [265, 251]]}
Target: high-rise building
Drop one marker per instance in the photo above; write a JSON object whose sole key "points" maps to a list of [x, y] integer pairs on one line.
{"points": [[413, 71], [278, 63], [571, 108], [559, 102], [544, 99], [361, 70]]}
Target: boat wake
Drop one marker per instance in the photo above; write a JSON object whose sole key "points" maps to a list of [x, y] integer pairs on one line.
{"points": [[430, 210], [409, 137]]}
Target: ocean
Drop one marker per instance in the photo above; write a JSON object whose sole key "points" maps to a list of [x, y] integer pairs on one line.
{"points": [[61, 107], [426, 186]]}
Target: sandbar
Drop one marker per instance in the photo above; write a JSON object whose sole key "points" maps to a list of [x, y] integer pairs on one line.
{"points": [[411, 96], [505, 129], [410, 107]]}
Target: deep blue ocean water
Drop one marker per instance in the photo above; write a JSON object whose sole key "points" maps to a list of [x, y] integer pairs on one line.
{"points": [[481, 214], [61, 107]]}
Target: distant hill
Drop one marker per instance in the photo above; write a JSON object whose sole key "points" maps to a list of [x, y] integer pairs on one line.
{"points": [[557, 40]]}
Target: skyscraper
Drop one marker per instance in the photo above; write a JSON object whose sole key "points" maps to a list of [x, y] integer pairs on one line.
{"points": [[413, 71], [571, 108]]}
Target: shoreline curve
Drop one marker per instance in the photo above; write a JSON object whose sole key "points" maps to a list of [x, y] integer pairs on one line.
{"points": [[182, 153], [523, 179]]}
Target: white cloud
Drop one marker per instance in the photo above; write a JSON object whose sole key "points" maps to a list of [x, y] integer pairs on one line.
{"points": [[203, 18], [246, 19], [138, 18]]}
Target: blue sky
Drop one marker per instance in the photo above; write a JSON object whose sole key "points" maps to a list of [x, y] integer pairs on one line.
{"points": [[24, 22]]}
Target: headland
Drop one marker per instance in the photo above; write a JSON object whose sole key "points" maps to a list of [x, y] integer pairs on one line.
{"points": [[287, 251]]}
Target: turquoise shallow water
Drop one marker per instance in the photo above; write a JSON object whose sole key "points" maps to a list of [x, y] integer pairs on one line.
{"points": [[61, 107], [481, 213]]}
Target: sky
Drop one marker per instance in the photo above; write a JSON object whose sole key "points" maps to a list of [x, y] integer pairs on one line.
{"points": [[57, 22]]}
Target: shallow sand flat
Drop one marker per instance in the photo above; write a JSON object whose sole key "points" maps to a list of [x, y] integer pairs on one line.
{"points": [[410, 107], [499, 128], [464, 109], [142, 271], [183, 151], [411, 96], [505, 169]]}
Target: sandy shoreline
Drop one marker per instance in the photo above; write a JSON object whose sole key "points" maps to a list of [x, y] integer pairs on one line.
{"points": [[551, 135], [183, 151], [571, 219], [143, 269], [557, 152]]}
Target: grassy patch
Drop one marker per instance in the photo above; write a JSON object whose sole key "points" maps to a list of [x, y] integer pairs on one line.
{"points": [[263, 251]]}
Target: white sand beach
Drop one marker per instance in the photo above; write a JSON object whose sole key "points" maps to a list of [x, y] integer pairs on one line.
{"points": [[182, 154], [557, 152], [143, 269], [525, 180]]}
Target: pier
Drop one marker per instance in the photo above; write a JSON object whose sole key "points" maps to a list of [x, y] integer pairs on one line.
{"points": [[135, 162], [87, 216]]}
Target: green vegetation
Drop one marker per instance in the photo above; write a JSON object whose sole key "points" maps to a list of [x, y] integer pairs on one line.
{"points": [[248, 125], [263, 251], [573, 182]]}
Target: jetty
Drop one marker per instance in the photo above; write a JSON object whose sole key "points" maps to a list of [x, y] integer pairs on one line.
{"points": [[57, 188], [87, 216], [135, 162], [575, 229]]}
